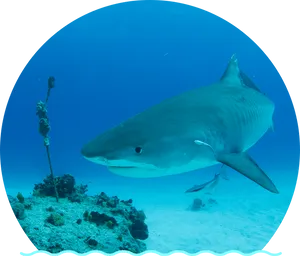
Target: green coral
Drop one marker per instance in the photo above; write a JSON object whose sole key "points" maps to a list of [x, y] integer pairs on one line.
{"points": [[50, 209], [110, 224], [56, 219], [20, 198], [87, 216], [19, 210], [28, 206]]}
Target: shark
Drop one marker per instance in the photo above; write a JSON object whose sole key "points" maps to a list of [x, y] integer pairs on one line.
{"points": [[209, 186], [209, 125]]}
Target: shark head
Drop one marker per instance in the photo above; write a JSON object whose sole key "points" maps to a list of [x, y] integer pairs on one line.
{"points": [[137, 149]]}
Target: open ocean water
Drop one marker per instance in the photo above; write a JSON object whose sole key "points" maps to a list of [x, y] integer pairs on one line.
{"points": [[114, 63]]}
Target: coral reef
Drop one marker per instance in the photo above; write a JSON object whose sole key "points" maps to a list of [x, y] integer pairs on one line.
{"points": [[20, 197], [66, 188], [19, 210], [56, 219], [137, 227], [99, 222], [198, 204], [102, 218]]}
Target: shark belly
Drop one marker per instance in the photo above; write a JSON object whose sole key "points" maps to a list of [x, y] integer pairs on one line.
{"points": [[145, 172]]}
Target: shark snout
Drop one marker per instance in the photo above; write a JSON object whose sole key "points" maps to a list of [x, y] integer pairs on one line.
{"points": [[94, 159], [89, 152], [95, 153]]}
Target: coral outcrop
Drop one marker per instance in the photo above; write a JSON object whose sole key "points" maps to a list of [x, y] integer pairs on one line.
{"points": [[79, 222]]}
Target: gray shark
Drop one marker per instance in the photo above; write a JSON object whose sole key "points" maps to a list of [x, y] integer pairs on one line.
{"points": [[209, 184], [203, 127]]}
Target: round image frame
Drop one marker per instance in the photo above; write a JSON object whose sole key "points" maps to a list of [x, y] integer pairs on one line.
{"points": [[77, 11]]}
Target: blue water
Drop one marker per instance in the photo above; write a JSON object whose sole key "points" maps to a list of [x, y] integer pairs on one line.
{"points": [[114, 63]]}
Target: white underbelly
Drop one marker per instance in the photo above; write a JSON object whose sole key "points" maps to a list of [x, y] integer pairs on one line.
{"points": [[191, 166], [137, 172]]}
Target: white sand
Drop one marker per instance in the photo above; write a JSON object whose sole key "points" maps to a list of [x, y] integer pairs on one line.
{"points": [[245, 217]]}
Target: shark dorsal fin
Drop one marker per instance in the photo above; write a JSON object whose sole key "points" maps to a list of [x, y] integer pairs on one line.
{"points": [[232, 73], [234, 77]]}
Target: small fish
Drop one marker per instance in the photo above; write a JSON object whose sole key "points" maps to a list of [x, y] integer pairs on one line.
{"points": [[210, 185], [205, 186], [166, 54]]}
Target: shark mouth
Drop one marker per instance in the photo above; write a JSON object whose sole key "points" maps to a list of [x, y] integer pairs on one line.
{"points": [[104, 162]]}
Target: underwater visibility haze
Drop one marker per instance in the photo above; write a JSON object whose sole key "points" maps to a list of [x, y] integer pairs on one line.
{"points": [[198, 146]]}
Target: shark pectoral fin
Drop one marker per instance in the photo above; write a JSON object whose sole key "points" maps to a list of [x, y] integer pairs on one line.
{"points": [[243, 163], [223, 173], [272, 127]]}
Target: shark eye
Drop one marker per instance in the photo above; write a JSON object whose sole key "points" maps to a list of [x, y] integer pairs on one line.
{"points": [[138, 150]]}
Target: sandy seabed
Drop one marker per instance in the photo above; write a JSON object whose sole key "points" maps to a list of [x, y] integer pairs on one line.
{"points": [[244, 217]]}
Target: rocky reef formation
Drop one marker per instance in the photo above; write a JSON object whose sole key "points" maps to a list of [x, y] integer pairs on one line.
{"points": [[79, 222], [198, 204]]}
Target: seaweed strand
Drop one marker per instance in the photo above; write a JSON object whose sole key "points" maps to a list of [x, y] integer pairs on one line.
{"points": [[44, 128]]}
